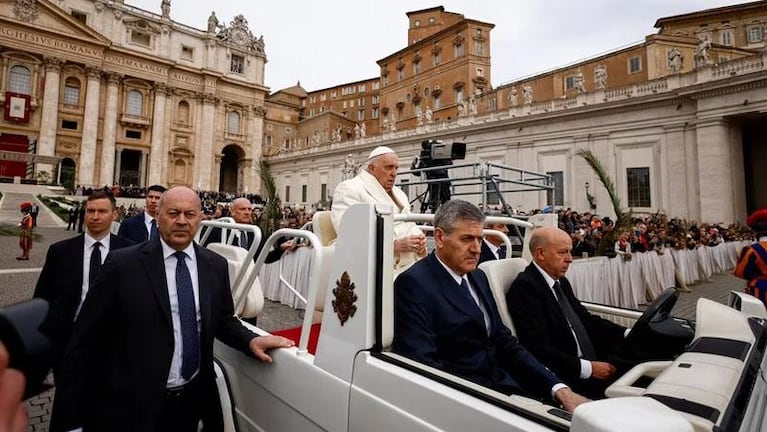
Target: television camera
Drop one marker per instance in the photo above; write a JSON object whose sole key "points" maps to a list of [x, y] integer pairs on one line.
{"points": [[436, 154], [28, 349]]}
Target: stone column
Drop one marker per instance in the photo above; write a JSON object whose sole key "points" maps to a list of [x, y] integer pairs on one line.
{"points": [[118, 160], [143, 166], [87, 168], [714, 157], [110, 131], [253, 173], [679, 179], [205, 152], [50, 113], [158, 133]]}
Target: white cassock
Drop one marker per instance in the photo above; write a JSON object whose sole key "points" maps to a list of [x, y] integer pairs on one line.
{"points": [[364, 188]]}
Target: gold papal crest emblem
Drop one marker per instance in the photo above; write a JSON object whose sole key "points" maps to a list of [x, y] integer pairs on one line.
{"points": [[343, 305]]}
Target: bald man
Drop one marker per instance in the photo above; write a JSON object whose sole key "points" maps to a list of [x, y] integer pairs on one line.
{"points": [[242, 213], [141, 355], [375, 184], [552, 323]]}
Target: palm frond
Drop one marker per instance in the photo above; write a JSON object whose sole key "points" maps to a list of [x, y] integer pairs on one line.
{"points": [[623, 219], [604, 178], [270, 220]]}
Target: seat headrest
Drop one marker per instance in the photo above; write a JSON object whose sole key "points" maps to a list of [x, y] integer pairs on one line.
{"points": [[500, 274], [322, 225]]}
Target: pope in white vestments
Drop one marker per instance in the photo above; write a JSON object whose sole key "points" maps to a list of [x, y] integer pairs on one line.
{"points": [[375, 184]]}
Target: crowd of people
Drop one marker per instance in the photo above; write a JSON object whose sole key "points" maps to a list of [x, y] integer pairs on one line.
{"points": [[647, 232]]}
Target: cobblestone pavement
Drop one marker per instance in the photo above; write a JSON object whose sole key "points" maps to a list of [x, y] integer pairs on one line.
{"points": [[18, 278]]}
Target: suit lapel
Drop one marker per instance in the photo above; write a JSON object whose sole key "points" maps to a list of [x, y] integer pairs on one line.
{"points": [[485, 296], [153, 262], [454, 293], [78, 250], [206, 284], [552, 303]]}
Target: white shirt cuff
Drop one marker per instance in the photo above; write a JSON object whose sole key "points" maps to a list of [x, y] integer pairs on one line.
{"points": [[556, 388], [626, 333], [585, 369]]}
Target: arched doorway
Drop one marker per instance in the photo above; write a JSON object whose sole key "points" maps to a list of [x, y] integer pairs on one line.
{"points": [[231, 157], [68, 171]]}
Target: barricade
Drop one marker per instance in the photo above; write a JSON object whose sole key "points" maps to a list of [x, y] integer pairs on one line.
{"points": [[627, 284]]}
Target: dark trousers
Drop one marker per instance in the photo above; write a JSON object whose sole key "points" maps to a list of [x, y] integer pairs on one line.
{"points": [[183, 408]]}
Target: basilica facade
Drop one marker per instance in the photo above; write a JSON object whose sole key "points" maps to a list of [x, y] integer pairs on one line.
{"points": [[99, 92]]}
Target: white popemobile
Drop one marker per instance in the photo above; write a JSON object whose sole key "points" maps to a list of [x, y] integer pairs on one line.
{"points": [[351, 381]]}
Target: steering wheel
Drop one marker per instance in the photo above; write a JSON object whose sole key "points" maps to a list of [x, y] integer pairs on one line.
{"points": [[659, 310]]}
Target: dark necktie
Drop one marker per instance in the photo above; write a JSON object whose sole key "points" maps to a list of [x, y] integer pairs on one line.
{"points": [[502, 252], [465, 289], [243, 239], [587, 349], [190, 356], [95, 265], [153, 229]]}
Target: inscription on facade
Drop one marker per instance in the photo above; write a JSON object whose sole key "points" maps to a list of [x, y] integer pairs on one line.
{"points": [[186, 78], [135, 64], [49, 42]]}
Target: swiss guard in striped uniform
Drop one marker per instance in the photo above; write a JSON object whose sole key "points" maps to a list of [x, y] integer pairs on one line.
{"points": [[752, 263]]}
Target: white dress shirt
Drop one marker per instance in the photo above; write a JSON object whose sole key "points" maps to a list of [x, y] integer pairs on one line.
{"points": [[170, 260], [493, 248], [87, 252], [148, 224]]}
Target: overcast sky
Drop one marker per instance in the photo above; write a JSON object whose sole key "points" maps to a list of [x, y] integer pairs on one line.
{"points": [[331, 42]]}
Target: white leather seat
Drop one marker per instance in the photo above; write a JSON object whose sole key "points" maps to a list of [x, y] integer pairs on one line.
{"points": [[500, 275], [235, 258], [322, 226], [324, 263]]}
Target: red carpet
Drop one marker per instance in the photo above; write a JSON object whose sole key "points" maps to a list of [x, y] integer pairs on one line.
{"points": [[294, 334]]}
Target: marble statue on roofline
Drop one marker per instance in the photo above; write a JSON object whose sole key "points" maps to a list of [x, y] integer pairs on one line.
{"points": [[513, 96], [212, 22], [702, 56], [165, 8], [675, 60], [472, 105], [600, 77], [528, 93]]}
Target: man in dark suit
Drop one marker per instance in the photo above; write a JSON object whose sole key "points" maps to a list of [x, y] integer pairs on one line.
{"points": [[242, 213], [445, 316], [72, 222], [580, 245], [70, 267], [554, 325], [141, 355], [143, 225], [492, 246]]}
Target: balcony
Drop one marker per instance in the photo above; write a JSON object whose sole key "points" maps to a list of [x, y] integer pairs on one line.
{"points": [[135, 120]]}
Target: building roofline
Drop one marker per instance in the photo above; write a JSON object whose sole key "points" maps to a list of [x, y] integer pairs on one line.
{"points": [[710, 12], [439, 8], [344, 84], [423, 42]]}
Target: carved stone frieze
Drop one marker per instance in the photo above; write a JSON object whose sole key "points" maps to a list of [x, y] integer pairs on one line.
{"points": [[25, 10], [259, 111]]}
